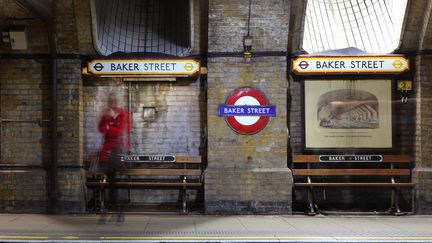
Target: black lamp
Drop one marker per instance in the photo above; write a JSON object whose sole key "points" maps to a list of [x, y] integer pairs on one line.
{"points": [[247, 46], [247, 40]]}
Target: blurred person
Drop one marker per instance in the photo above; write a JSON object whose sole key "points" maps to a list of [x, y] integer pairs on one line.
{"points": [[114, 124]]}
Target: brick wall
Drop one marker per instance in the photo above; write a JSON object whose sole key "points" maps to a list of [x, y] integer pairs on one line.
{"points": [[247, 174], [66, 26], [70, 139], [12, 14], [26, 96], [25, 102], [176, 128], [420, 20], [69, 113], [266, 149], [83, 26], [295, 121], [413, 24], [268, 25], [423, 172], [24, 89], [23, 191]]}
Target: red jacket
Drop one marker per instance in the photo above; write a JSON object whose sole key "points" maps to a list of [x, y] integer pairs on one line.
{"points": [[116, 130]]}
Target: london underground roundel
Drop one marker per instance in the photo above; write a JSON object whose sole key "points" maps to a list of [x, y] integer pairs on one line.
{"points": [[247, 110]]}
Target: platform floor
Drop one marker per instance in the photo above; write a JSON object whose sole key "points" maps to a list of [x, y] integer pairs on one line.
{"points": [[202, 228]]}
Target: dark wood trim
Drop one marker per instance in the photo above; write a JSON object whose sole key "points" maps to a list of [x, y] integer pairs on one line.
{"points": [[160, 185], [354, 184], [161, 172], [183, 159], [353, 172], [303, 158]]}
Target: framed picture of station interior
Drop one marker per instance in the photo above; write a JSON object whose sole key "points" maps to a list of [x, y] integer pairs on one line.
{"points": [[347, 102], [347, 114]]}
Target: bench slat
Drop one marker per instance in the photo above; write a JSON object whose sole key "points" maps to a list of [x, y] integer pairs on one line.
{"points": [[341, 172], [182, 159], [396, 158], [145, 184], [342, 184], [161, 172], [301, 158]]}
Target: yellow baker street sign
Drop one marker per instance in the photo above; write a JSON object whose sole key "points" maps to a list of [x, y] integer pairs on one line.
{"points": [[333, 65], [143, 67]]}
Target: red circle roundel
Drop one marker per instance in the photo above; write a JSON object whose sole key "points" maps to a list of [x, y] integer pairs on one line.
{"points": [[246, 110]]}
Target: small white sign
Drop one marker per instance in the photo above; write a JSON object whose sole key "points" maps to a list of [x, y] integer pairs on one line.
{"points": [[144, 67], [314, 65]]}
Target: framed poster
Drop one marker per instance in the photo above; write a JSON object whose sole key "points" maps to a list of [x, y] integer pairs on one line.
{"points": [[342, 114]]}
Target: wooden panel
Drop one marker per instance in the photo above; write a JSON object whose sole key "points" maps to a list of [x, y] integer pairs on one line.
{"points": [[157, 184], [146, 184], [181, 159], [341, 172], [188, 159], [354, 184], [301, 158], [161, 172], [396, 158]]}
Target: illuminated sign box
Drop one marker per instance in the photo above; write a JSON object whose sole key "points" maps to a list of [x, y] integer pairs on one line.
{"points": [[143, 68], [342, 65]]}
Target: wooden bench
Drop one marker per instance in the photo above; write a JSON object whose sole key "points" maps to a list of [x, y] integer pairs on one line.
{"points": [[316, 171], [183, 173]]}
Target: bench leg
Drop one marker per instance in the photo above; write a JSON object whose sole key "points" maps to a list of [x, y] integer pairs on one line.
{"points": [[183, 198], [102, 199], [395, 202], [311, 202], [98, 199]]}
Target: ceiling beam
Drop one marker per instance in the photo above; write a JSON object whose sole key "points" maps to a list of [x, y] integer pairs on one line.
{"points": [[38, 8]]}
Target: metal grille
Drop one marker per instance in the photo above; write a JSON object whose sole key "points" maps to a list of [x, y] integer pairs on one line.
{"points": [[146, 26], [371, 25]]}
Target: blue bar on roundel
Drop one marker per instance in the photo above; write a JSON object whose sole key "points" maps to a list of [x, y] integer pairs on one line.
{"points": [[247, 110]]}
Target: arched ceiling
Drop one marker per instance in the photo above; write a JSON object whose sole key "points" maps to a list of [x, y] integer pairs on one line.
{"points": [[39, 8], [426, 33], [416, 34], [154, 26], [413, 25]]}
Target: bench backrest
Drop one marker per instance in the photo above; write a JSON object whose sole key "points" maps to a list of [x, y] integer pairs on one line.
{"points": [[183, 166], [349, 167], [301, 158], [160, 172]]}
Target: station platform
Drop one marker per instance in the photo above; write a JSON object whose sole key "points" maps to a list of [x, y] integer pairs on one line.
{"points": [[203, 228]]}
